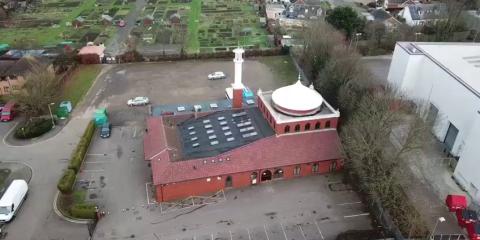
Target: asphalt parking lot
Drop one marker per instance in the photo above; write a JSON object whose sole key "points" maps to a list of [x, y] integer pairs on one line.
{"points": [[118, 176]]}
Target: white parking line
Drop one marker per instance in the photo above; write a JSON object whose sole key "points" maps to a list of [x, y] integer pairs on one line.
{"points": [[212, 236], [96, 162], [249, 237], [134, 132], [301, 230], [357, 215], [284, 233], [146, 190], [349, 203], [97, 170], [231, 237], [96, 154], [318, 228], [265, 227]]}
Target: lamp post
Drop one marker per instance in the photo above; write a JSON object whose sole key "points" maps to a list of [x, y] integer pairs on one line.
{"points": [[51, 115], [357, 35], [416, 35], [440, 219]]}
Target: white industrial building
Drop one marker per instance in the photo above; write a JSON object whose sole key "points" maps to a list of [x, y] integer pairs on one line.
{"points": [[444, 78]]}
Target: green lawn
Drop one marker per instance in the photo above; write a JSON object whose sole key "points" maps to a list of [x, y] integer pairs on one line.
{"points": [[283, 68], [193, 21], [77, 86]]}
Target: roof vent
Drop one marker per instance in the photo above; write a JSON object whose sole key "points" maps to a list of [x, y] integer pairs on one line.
{"points": [[191, 128], [225, 128], [227, 133], [213, 105], [213, 143], [192, 132], [209, 131], [208, 126], [229, 140], [220, 118], [212, 137], [180, 109], [206, 121], [195, 145], [193, 138]]}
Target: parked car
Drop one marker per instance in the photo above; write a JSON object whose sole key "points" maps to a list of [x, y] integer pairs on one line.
{"points": [[216, 75], [12, 199], [105, 130], [8, 112], [138, 101]]}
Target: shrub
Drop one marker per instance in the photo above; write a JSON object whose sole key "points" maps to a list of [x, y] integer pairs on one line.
{"points": [[33, 128], [65, 184], [79, 154], [83, 210]]}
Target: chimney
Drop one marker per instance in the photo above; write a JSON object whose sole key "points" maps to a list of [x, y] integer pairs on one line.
{"points": [[237, 86]]}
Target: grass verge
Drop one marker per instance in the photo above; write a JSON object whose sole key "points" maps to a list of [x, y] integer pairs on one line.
{"points": [[193, 22], [79, 83]]}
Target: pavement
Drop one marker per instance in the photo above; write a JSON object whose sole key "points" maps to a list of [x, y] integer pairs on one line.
{"points": [[378, 66]]}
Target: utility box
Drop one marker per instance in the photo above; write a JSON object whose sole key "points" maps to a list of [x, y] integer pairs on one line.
{"points": [[101, 116], [455, 202]]}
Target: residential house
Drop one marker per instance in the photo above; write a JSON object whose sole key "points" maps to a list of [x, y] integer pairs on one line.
{"points": [[91, 54], [298, 14], [391, 23], [13, 72], [396, 5], [422, 14], [274, 11], [442, 78]]}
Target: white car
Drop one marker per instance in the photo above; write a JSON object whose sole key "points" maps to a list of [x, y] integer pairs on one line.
{"points": [[138, 101], [216, 75]]}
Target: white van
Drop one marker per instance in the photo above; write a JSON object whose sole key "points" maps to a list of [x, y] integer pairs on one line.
{"points": [[12, 199]]}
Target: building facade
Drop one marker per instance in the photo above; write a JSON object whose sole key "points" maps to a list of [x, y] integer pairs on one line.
{"points": [[288, 133], [443, 79]]}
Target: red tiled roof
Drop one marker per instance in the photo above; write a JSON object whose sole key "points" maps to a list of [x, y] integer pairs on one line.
{"points": [[154, 141], [92, 50], [270, 152]]}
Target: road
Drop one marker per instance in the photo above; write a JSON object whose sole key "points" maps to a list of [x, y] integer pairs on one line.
{"points": [[116, 44], [36, 219]]}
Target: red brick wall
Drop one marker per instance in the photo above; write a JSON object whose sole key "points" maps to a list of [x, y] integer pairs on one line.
{"points": [[89, 59], [197, 187], [280, 128]]}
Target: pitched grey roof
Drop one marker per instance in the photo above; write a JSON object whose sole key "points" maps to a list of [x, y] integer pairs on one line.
{"points": [[428, 11], [381, 15]]}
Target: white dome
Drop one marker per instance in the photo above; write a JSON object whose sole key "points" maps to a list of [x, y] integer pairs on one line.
{"points": [[297, 100]]}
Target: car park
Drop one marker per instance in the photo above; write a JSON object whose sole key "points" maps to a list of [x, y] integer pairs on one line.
{"points": [[216, 75], [138, 101]]}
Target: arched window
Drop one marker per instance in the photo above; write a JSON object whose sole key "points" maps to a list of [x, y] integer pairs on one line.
{"points": [[287, 128], [297, 127], [278, 173], [307, 126], [228, 182], [315, 168], [327, 124], [296, 171], [317, 125]]}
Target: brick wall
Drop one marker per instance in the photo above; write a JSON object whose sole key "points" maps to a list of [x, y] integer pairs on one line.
{"points": [[180, 190]]}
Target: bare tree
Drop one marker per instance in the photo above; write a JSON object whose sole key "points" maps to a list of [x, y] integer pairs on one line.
{"points": [[40, 89]]}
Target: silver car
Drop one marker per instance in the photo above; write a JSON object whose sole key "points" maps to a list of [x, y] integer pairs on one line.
{"points": [[216, 75], [138, 101]]}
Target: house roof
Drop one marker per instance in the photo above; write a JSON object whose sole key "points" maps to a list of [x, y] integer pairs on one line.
{"points": [[266, 153], [23, 65], [381, 15], [428, 11], [80, 19], [92, 50]]}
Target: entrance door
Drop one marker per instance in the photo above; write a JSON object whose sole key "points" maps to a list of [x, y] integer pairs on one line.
{"points": [[228, 182], [450, 137]]}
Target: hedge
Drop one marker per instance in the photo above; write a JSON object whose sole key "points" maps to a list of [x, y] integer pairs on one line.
{"points": [[79, 154], [33, 128], [83, 210], [65, 184]]}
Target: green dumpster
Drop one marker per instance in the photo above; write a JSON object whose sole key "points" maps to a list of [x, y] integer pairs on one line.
{"points": [[62, 112], [101, 116]]}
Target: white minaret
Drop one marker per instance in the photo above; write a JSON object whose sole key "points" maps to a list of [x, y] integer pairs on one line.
{"points": [[237, 85], [238, 60]]}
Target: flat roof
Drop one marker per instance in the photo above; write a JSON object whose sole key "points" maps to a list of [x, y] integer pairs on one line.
{"points": [[461, 60], [221, 131]]}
